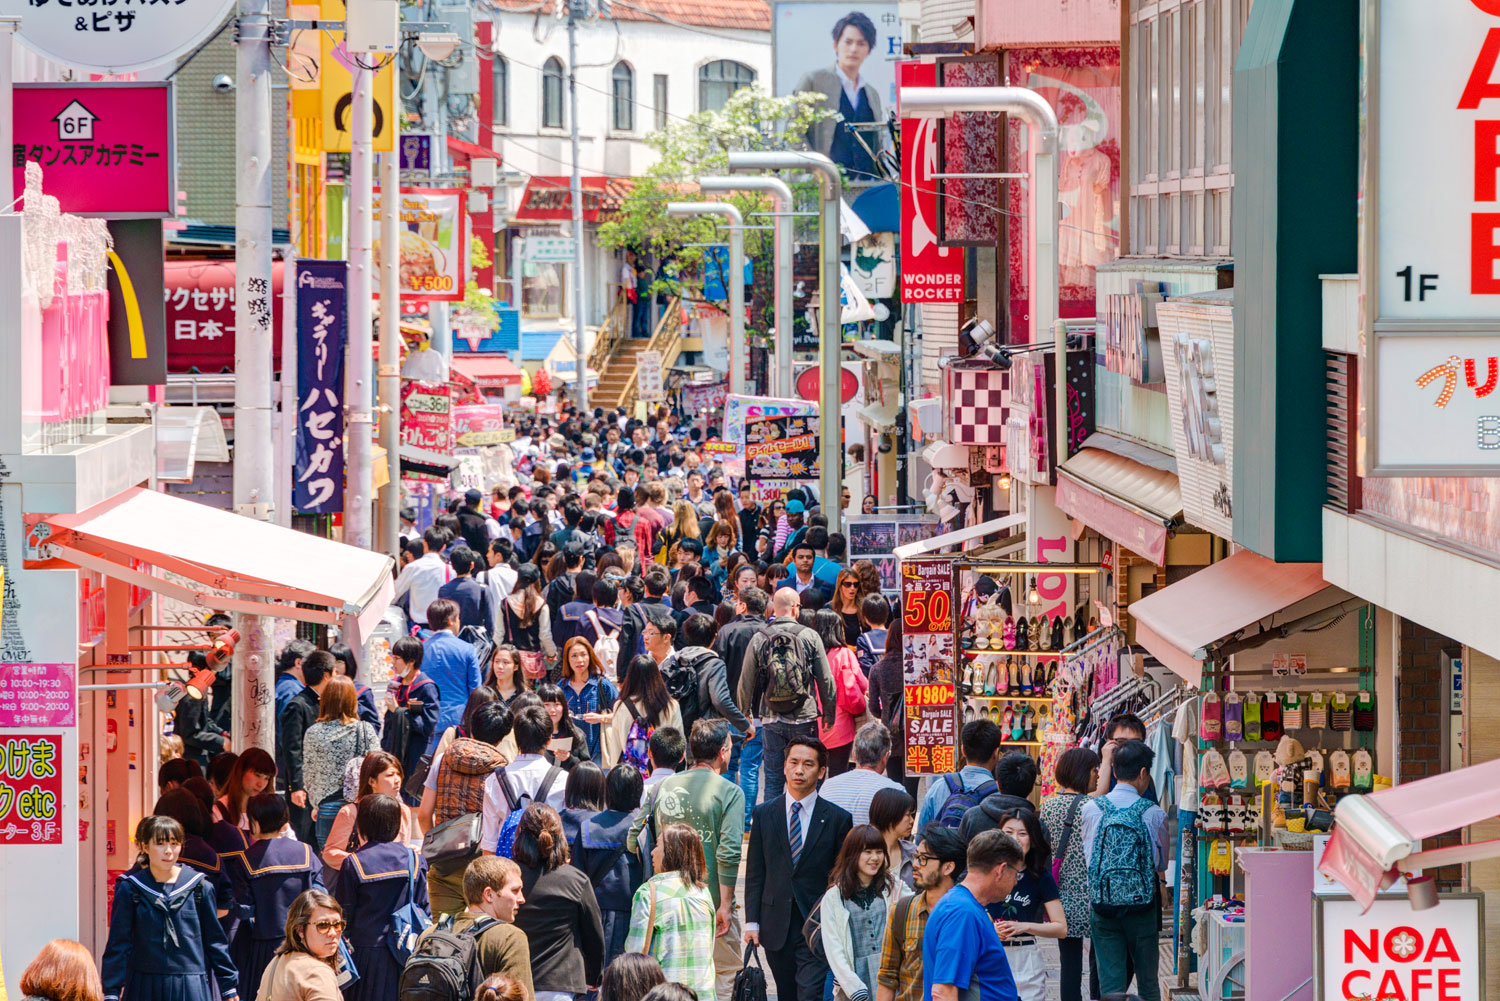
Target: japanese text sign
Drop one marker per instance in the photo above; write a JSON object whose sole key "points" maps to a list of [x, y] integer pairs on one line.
{"points": [[648, 376], [427, 416], [104, 148], [434, 243], [199, 299], [322, 333], [738, 410], [929, 273], [30, 789], [928, 665], [37, 695], [481, 425], [115, 37], [931, 729], [926, 596], [1393, 951], [782, 448]]}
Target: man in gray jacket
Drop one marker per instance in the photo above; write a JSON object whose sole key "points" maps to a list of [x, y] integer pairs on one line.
{"points": [[853, 97], [787, 667], [715, 700]]}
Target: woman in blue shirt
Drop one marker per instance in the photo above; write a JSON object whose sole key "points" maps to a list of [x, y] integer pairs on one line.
{"points": [[591, 696]]}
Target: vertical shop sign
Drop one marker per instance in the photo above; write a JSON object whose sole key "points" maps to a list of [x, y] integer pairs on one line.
{"points": [[322, 331], [648, 376], [30, 789], [427, 416], [928, 668], [929, 273], [37, 695]]}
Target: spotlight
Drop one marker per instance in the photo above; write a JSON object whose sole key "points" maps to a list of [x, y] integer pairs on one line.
{"points": [[975, 334]]}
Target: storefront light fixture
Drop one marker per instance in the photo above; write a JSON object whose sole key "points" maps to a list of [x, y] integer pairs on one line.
{"points": [[1004, 481], [175, 691], [1033, 596]]}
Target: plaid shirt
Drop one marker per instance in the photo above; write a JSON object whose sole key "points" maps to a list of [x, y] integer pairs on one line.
{"points": [[683, 939], [901, 955]]}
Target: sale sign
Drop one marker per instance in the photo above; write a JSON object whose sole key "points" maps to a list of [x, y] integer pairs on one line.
{"points": [[37, 695], [739, 410], [481, 425], [30, 790], [427, 416], [1392, 951], [929, 273], [931, 729], [782, 448], [928, 653]]}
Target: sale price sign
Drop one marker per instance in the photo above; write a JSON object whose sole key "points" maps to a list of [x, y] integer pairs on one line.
{"points": [[30, 790], [927, 596], [931, 729], [928, 656]]}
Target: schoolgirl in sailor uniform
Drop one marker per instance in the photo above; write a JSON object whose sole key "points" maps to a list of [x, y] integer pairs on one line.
{"points": [[377, 880], [165, 942], [268, 877]]}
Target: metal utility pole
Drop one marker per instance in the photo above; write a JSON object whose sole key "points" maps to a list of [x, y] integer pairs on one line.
{"points": [[734, 281], [781, 194], [254, 722], [390, 355], [435, 101], [581, 366], [830, 441], [357, 360]]}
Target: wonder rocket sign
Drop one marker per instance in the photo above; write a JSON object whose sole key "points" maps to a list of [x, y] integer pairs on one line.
{"points": [[929, 273]]}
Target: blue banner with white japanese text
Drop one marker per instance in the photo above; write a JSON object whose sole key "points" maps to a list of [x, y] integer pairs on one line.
{"points": [[322, 333]]}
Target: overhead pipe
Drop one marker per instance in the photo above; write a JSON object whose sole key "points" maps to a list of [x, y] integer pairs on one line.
{"points": [[735, 281]]}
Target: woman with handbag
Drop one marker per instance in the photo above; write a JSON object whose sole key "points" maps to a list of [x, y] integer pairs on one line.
{"points": [[853, 914], [528, 624], [382, 887], [1077, 771], [305, 966], [672, 915], [851, 690], [1032, 911], [338, 737], [379, 772]]}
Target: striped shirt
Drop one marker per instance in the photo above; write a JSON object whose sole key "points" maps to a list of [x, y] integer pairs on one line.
{"points": [[683, 939], [854, 789], [901, 955]]}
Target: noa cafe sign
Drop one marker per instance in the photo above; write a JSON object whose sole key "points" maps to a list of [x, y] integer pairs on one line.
{"points": [[1432, 242], [1394, 953], [115, 37]]}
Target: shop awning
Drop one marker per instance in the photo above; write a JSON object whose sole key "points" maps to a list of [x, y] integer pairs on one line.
{"points": [[1178, 623], [221, 552], [1376, 832], [489, 370], [1118, 497], [186, 436], [959, 536]]}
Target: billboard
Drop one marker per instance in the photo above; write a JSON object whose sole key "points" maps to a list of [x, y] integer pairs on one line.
{"points": [[433, 228]]}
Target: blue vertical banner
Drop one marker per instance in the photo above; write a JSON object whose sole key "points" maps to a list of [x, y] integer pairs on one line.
{"points": [[322, 334]]}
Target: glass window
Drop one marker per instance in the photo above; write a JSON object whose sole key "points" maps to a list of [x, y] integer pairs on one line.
{"points": [[552, 94], [623, 87], [659, 99], [501, 73], [717, 82]]}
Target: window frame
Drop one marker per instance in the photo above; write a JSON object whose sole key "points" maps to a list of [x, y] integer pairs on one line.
{"points": [[500, 93], [553, 76], [659, 89], [615, 98], [738, 84]]}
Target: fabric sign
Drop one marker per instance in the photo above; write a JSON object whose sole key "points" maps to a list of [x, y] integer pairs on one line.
{"points": [[322, 330]]}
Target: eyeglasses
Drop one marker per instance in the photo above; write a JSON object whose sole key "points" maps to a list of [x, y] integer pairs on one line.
{"points": [[922, 858], [848, 583], [329, 926]]}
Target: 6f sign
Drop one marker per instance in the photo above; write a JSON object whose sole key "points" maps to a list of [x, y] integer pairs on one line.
{"points": [[1433, 242]]}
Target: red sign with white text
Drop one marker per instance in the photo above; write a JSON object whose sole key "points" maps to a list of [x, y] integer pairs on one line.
{"points": [[929, 273], [30, 789], [104, 148]]}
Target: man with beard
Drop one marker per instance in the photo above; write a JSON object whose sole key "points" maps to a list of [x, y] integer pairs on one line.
{"points": [[936, 867]]}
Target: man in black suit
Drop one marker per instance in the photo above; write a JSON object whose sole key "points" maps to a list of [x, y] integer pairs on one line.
{"points": [[797, 833]]}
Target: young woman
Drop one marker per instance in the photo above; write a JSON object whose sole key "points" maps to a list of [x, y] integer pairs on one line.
{"points": [[850, 686], [269, 876], [644, 699], [719, 549], [528, 624], [560, 916], [197, 853], [614, 874], [765, 538], [724, 511], [591, 696], [165, 941], [305, 966], [570, 746], [684, 526], [892, 813], [846, 601], [344, 665], [337, 738], [862, 892], [379, 774], [1077, 773], [1032, 910], [63, 971], [583, 798], [869, 578], [375, 882], [630, 977], [478, 697], [252, 774], [506, 676], [672, 916]]}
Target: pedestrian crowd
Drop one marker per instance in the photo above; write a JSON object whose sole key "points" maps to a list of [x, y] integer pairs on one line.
{"points": [[625, 685]]}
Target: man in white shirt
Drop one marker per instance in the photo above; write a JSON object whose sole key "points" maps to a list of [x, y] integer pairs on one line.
{"points": [[854, 789], [531, 776], [666, 749], [422, 577], [499, 579]]}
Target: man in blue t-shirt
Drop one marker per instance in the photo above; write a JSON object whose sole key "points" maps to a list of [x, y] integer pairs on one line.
{"points": [[971, 962]]}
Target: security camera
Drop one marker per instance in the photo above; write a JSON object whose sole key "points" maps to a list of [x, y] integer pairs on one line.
{"points": [[223, 83]]}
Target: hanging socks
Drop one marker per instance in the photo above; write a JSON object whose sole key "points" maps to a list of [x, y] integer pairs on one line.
{"points": [[1252, 716], [1364, 712], [1364, 772], [1293, 711], [1239, 770], [1317, 711], [1234, 718], [1220, 858], [1265, 767], [1215, 772], [1340, 712], [1270, 718], [1338, 763], [1210, 726]]}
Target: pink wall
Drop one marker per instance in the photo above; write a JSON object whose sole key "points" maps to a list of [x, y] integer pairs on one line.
{"points": [[1001, 24]]}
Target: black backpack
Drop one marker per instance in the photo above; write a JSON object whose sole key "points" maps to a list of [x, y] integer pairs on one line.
{"points": [[750, 982], [445, 964], [682, 683]]}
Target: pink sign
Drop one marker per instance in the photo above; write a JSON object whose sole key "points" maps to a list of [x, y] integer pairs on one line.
{"points": [[104, 148], [37, 695]]}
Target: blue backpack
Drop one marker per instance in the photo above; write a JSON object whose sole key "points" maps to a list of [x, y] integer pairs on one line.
{"points": [[506, 841], [1122, 866], [409, 921], [961, 800]]}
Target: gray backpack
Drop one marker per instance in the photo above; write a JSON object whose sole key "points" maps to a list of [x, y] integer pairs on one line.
{"points": [[1122, 867]]}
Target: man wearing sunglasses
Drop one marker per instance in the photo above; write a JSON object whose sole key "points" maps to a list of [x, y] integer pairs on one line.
{"points": [[960, 950], [939, 861]]}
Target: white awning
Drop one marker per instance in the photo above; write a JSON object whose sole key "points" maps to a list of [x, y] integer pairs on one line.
{"points": [[959, 536], [184, 437]]}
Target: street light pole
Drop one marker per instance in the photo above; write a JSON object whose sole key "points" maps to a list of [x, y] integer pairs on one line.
{"points": [[781, 194], [357, 361], [830, 442], [581, 363], [390, 355], [735, 281]]}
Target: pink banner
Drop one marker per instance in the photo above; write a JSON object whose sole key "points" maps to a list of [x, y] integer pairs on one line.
{"points": [[37, 695]]}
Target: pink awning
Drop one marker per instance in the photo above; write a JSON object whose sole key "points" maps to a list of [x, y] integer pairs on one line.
{"points": [[1375, 832], [1120, 498], [221, 552], [1177, 623]]}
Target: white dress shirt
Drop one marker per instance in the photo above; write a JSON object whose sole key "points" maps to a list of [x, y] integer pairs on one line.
{"points": [[851, 87], [422, 577], [806, 818], [526, 774]]}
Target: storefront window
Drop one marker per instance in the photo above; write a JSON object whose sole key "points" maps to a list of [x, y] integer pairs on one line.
{"points": [[1454, 511], [542, 289]]}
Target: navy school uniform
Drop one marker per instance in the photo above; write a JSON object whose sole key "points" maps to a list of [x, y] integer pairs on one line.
{"points": [[226, 839], [267, 877], [365, 697], [373, 885], [165, 942], [199, 854]]}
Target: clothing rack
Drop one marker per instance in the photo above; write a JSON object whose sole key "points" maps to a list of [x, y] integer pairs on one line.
{"points": [[1100, 708], [1084, 644], [1166, 704]]}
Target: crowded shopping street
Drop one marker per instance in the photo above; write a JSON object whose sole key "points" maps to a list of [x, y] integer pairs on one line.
{"points": [[587, 500]]}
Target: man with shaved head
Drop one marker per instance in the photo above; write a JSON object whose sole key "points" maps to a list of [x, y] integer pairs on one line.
{"points": [[786, 672]]}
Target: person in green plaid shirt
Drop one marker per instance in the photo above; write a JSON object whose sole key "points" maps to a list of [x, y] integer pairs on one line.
{"points": [[938, 863], [672, 915]]}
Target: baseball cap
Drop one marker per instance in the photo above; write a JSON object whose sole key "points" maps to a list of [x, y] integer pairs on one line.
{"points": [[795, 507], [473, 496]]}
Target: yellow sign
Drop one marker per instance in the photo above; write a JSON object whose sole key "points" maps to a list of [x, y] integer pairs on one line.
{"points": [[337, 88]]}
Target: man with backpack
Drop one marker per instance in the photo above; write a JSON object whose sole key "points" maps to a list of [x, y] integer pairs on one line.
{"points": [[1124, 848], [713, 697], [602, 624], [456, 955], [730, 644], [530, 778], [1015, 777], [980, 739], [788, 668]]}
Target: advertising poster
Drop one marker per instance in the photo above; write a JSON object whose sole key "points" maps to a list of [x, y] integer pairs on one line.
{"points": [[37, 695], [740, 409], [30, 790], [336, 68], [927, 654], [481, 425], [433, 227], [871, 538], [322, 330], [427, 416], [648, 377], [782, 448]]}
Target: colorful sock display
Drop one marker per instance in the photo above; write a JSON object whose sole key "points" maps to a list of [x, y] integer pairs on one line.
{"points": [[1252, 716], [1270, 718]]}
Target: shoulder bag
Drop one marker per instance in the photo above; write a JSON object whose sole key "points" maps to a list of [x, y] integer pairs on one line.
{"points": [[1067, 835]]}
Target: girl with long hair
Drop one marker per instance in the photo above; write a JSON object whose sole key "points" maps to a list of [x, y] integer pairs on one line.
{"points": [[862, 893], [846, 601], [724, 511], [684, 526], [850, 687], [253, 773], [893, 812], [506, 676], [305, 966], [375, 882], [720, 549], [1033, 910], [560, 916], [379, 773], [765, 537], [477, 698], [672, 916], [1061, 814], [555, 701], [630, 977], [528, 624], [644, 699], [591, 696], [614, 874], [338, 737]]}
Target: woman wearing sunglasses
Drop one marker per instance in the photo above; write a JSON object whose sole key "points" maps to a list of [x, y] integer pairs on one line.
{"points": [[305, 967]]}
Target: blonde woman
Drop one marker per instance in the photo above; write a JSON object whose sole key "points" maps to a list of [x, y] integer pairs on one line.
{"points": [[337, 738], [305, 967], [684, 526]]}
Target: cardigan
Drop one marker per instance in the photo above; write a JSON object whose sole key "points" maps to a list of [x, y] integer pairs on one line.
{"points": [[298, 976], [836, 943]]}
